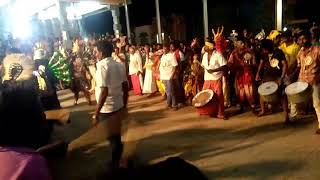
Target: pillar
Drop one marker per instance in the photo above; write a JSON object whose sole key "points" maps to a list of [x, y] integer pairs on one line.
{"points": [[159, 36], [67, 41], [205, 18], [279, 7], [127, 21], [116, 20]]}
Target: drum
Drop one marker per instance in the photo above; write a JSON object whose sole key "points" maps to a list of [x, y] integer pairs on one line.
{"points": [[298, 92], [268, 92], [203, 102]]}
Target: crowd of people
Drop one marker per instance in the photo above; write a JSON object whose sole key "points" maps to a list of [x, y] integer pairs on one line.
{"points": [[233, 67]]}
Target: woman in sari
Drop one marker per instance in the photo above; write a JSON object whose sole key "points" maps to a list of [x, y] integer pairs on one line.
{"points": [[242, 61]]}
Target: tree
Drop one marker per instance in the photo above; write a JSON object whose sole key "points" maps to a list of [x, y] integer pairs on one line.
{"points": [[143, 38]]}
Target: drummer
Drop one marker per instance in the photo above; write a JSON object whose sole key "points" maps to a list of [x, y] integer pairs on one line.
{"points": [[309, 62], [290, 49], [215, 65], [273, 67]]}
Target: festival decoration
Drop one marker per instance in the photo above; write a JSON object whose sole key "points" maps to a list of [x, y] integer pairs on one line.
{"points": [[247, 58], [60, 68], [39, 51], [308, 61], [17, 67], [220, 42], [273, 34], [274, 63], [261, 35]]}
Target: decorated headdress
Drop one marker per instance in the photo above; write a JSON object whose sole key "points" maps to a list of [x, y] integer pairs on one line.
{"points": [[39, 51], [39, 45], [17, 67], [273, 34], [261, 35], [220, 43], [234, 33], [39, 54]]}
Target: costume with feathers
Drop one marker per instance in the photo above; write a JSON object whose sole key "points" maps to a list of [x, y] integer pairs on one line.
{"points": [[60, 68]]}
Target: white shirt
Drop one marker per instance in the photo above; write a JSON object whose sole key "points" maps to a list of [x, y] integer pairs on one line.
{"points": [[135, 64], [216, 61], [110, 74], [167, 66], [182, 57]]}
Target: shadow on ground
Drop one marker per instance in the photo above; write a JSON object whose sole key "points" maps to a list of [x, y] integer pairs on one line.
{"points": [[89, 160], [195, 141], [258, 170], [85, 163]]}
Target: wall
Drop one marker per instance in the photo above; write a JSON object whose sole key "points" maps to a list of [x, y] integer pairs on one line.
{"points": [[141, 29]]}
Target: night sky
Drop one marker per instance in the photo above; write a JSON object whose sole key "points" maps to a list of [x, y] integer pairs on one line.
{"points": [[251, 14]]}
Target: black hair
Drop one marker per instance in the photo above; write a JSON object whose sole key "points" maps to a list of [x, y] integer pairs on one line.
{"points": [[242, 39], [22, 116], [166, 45], [316, 33], [105, 47], [208, 39], [306, 34], [267, 44], [287, 34]]}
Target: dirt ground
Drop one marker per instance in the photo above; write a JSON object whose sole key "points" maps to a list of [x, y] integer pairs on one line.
{"points": [[244, 147]]}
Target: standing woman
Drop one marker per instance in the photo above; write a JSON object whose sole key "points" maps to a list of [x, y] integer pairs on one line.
{"points": [[149, 85], [156, 71]]}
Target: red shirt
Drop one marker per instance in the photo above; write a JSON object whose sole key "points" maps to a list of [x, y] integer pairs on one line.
{"points": [[309, 61]]}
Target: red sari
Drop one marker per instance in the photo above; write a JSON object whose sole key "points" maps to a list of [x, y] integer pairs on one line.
{"points": [[242, 62]]}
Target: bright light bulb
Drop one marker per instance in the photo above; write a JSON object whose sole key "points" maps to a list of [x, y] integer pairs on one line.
{"points": [[285, 29]]}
